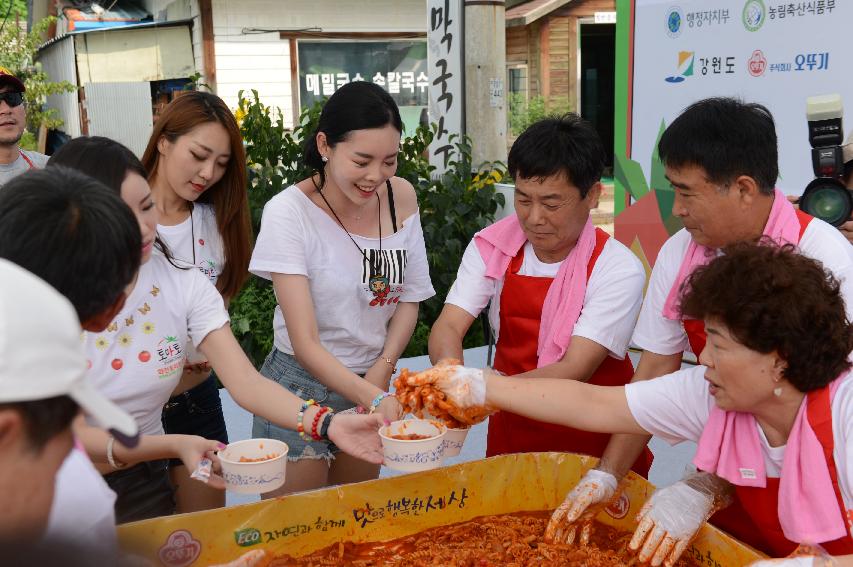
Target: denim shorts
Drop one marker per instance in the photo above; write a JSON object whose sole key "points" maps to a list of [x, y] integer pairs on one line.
{"points": [[283, 368], [143, 491], [198, 411]]}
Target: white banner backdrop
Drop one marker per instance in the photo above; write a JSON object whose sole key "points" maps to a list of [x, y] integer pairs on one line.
{"points": [[766, 51]]}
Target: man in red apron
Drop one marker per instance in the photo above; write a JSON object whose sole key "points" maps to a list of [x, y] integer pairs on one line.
{"points": [[721, 159], [13, 120], [564, 296]]}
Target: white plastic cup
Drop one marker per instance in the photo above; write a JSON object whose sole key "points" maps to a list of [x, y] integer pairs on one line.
{"points": [[254, 477], [454, 440], [414, 455]]}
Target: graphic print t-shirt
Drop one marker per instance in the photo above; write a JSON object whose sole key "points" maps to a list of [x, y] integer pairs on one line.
{"points": [[138, 359], [352, 312]]}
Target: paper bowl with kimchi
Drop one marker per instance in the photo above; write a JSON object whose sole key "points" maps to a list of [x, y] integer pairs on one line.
{"points": [[454, 440], [412, 445], [254, 466]]}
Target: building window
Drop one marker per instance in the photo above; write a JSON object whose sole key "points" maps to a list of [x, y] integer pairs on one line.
{"points": [[517, 100], [516, 80]]}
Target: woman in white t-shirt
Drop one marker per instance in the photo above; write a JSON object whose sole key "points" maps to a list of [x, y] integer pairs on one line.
{"points": [[197, 172], [139, 358], [345, 252], [771, 410]]}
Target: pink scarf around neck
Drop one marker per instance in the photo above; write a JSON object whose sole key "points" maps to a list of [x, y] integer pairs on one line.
{"points": [[730, 447], [783, 226], [500, 242]]}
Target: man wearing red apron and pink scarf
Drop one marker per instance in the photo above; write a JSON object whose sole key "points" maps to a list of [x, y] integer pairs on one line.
{"points": [[564, 295], [721, 159], [771, 409]]}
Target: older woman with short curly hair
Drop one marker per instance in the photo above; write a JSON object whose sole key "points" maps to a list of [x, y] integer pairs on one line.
{"points": [[771, 408]]}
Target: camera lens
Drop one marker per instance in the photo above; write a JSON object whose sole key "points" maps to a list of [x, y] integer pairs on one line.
{"points": [[828, 200]]}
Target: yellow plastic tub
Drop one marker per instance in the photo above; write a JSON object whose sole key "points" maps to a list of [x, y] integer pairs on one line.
{"points": [[395, 507]]}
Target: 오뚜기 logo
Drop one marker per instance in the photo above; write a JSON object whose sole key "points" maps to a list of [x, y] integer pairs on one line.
{"points": [[685, 67], [181, 549], [753, 15], [674, 19], [757, 63]]}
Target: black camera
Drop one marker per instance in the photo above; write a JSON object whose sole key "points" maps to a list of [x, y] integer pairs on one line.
{"points": [[826, 197]]}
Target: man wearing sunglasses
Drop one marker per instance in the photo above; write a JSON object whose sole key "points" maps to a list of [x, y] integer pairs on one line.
{"points": [[13, 119]]}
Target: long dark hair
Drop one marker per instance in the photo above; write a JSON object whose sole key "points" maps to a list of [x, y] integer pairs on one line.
{"points": [[229, 195], [107, 161], [355, 106]]}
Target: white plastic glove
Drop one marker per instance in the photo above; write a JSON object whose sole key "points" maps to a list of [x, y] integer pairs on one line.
{"points": [[801, 561], [673, 515], [464, 387], [594, 491]]}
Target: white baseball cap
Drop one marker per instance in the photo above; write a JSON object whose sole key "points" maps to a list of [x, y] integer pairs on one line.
{"points": [[41, 354]]}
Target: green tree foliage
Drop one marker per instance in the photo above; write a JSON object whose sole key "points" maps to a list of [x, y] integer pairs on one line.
{"points": [[523, 112], [452, 207], [17, 53]]}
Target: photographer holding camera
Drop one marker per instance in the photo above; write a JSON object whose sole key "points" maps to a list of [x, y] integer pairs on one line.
{"points": [[829, 196]]}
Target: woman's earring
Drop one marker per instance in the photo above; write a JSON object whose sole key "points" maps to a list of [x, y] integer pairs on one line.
{"points": [[325, 159], [777, 391]]}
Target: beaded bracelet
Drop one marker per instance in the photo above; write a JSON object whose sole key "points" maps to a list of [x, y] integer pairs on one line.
{"points": [[324, 429], [300, 427], [378, 400], [314, 435]]}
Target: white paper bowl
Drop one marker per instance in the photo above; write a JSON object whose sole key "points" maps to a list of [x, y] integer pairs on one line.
{"points": [[417, 455], [454, 440], [257, 477]]}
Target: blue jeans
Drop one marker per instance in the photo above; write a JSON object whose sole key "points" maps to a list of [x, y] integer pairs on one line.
{"points": [[286, 371], [198, 411]]}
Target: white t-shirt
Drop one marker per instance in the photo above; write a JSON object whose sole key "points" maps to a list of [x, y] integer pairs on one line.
{"points": [[297, 237], [197, 237], [83, 510], [138, 360], [614, 292], [676, 407], [659, 335]]}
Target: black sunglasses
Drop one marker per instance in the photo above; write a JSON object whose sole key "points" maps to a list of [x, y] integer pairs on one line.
{"points": [[12, 99]]}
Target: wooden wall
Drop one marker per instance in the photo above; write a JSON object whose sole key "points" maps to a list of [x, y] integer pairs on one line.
{"points": [[549, 47]]}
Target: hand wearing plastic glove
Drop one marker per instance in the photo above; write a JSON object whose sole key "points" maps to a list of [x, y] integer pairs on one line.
{"points": [[464, 387], [594, 491], [673, 515]]}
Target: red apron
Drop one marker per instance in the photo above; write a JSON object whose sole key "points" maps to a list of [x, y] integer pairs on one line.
{"points": [[521, 304], [754, 509], [759, 523]]}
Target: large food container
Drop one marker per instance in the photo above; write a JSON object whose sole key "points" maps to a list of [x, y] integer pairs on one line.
{"points": [[396, 507]]}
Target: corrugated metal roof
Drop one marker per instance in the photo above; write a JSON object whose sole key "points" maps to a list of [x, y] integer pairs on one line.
{"points": [[163, 24]]}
